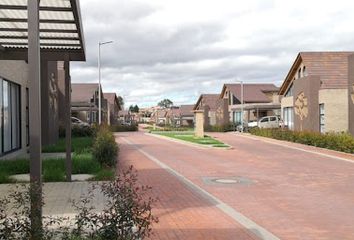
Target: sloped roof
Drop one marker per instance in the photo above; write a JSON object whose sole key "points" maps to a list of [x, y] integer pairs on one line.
{"points": [[187, 110], [210, 100], [174, 112], [252, 93], [332, 67], [111, 97], [83, 92], [161, 113]]}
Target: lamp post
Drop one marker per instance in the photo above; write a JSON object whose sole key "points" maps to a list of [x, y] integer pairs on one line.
{"points": [[242, 102], [99, 80]]}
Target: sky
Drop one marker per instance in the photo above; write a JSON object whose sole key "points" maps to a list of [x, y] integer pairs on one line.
{"points": [[179, 49]]}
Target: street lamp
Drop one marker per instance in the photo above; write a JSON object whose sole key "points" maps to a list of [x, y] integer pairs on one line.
{"points": [[99, 80], [242, 102]]}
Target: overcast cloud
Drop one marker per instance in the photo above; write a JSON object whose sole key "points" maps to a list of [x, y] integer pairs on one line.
{"points": [[179, 49]]}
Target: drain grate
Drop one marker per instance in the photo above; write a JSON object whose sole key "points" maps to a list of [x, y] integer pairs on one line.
{"points": [[228, 180]]}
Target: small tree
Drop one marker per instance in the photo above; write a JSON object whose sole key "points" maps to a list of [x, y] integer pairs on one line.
{"points": [[166, 103], [121, 101]]}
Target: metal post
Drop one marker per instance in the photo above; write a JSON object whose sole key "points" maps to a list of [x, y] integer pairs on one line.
{"points": [[99, 84], [99, 80], [242, 106], [35, 118], [68, 161]]}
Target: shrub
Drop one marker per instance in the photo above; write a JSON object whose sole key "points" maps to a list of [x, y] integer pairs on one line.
{"points": [[343, 142], [127, 213], [76, 131], [105, 148], [84, 163], [124, 128], [220, 128]]}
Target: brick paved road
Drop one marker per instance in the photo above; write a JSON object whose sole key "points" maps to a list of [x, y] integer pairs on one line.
{"points": [[292, 194]]}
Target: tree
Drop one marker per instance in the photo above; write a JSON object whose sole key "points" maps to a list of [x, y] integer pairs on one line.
{"points": [[166, 103], [121, 101], [134, 109]]}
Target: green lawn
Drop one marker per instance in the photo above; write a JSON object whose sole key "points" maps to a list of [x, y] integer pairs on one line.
{"points": [[79, 144], [189, 137], [54, 169]]}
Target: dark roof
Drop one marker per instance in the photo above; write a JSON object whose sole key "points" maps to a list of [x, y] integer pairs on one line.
{"points": [[332, 67], [187, 110], [83, 92], [252, 93], [210, 100], [111, 97]]}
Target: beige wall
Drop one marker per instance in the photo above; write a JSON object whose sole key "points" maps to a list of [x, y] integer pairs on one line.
{"points": [[336, 109]]}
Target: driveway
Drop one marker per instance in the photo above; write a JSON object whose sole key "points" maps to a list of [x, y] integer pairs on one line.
{"points": [[257, 190]]}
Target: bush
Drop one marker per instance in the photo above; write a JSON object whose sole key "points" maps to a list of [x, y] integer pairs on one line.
{"points": [[220, 128], [124, 128], [343, 142], [127, 213], [105, 148], [78, 131]]}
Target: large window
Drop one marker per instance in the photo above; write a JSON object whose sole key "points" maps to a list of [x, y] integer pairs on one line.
{"points": [[290, 91], [288, 117], [322, 118], [10, 131]]}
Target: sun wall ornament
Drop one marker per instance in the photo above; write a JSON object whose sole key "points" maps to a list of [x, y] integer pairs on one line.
{"points": [[301, 107]]}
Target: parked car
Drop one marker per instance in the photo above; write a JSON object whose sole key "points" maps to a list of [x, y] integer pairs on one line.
{"points": [[75, 122], [270, 122]]}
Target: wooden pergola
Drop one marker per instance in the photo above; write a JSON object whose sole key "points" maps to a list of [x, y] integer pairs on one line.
{"points": [[35, 31]]}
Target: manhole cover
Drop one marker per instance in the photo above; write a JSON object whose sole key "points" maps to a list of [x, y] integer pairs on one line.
{"points": [[237, 180], [224, 180]]}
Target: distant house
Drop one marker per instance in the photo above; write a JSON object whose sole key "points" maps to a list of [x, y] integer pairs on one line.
{"points": [[215, 109], [85, 102], [174, 116], [259, 100], [113, 108], [162, 117], [316, 93], [187, 115], [124, 116]]}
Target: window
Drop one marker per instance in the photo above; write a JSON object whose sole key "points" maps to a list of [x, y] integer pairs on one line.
{"points": [[27, 117], [290, 91], [230, 98], [322, 118], [288, 117], [304, 72], [299, 73], [273, 119], [237, 117], [10, 128], [265, 119]]}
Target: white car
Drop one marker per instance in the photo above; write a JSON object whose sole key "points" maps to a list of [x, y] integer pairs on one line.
{"points": [[75, 122], [266, 122], [270, 122]]}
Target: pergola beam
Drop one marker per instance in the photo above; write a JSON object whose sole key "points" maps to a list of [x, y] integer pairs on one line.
{"points": [[43, 44], [24, 20], [24, 7], [42, 38], [42, 30]]}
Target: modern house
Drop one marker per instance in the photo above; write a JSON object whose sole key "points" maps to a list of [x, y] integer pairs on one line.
{"points": [[113, 108], [124, 116], [317, 92], [187, 115], [259, 100], [85, 102], [215, 109]]}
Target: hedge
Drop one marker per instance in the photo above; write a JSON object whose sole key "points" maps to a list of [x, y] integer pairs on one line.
{"points": [[343, 142]]}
